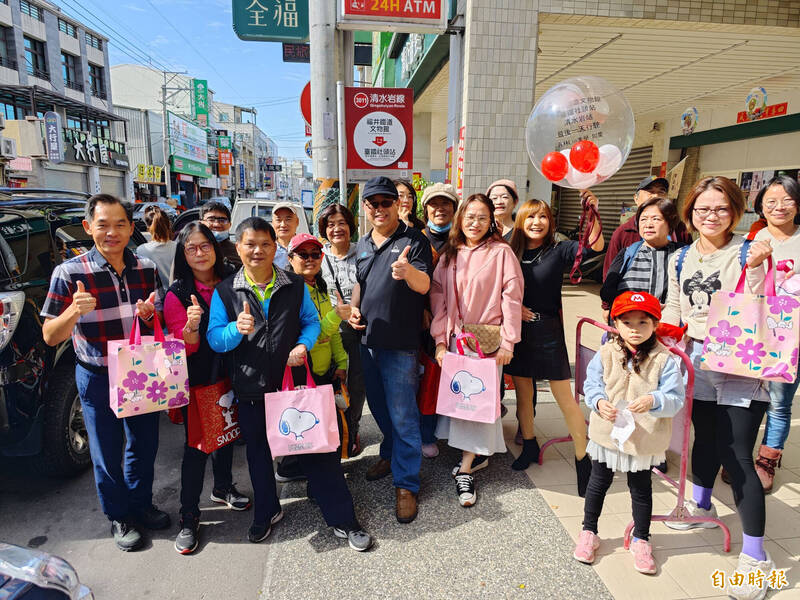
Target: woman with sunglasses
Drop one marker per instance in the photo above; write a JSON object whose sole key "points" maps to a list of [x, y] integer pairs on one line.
{"points": [[779, 203], [477, 281], [199, 267], [727, 409]]}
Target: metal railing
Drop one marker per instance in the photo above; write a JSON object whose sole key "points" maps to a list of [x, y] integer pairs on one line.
{"points": [[8, 63], [99, 94], [37, 73], [73, 85]]}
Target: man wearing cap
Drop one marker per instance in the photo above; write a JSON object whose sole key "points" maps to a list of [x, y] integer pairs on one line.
{"points": [[285, 222], [628, 233], [439, 204], [393, 267]]}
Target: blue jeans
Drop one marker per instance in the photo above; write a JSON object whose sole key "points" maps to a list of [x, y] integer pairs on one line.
{"points": [[779, 413], [390, 377], [124, 482]]}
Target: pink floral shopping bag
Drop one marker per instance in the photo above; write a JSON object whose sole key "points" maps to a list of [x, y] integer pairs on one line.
{"points": [[753, 335], [147, 373]]}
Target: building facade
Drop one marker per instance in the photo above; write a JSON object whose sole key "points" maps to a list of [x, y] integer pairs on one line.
{"points": [[50, 62]]}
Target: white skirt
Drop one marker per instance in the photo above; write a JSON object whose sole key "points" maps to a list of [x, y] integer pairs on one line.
{"points": [[471, 436], [622, 462]]}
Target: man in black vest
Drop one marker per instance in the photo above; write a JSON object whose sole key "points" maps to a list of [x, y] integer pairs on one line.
{"points": [[263, 318]]}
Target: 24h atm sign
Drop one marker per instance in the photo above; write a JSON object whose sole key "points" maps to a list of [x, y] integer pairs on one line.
{"points": [[405, 16], [379, 125]]}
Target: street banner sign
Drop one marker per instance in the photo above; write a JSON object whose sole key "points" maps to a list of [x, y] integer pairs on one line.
{"points": [[296, 53], [379, 127], [241, 176], [188, 147], [201, 101], [55, 146], [271, 20], [224, 142], [402, 16]]}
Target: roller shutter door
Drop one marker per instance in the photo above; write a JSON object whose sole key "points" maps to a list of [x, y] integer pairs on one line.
{"points": [[612, 194], [112, 184], [59, 179]]}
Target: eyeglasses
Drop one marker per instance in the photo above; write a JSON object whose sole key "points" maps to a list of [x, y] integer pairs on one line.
{"points": [[202, 248], [720, 211], [385, 203], [217, 220], [773, 203], [315, 255], [480, 220]]}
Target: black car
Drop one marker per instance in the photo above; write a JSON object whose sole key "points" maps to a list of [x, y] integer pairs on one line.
{"points": [[40, 412]]}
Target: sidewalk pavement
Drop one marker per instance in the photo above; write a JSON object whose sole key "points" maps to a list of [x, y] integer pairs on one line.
{"points": [[517, 540]]}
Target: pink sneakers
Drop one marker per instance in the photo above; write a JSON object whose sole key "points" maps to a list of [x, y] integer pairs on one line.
{"points": [[643, 560], [588, 542]]}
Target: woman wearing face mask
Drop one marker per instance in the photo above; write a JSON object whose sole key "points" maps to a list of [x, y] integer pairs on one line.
{"points": [[727, 410], [161, 250], [542, 353], [477, 281], [503, 194], [779, 202], [336, 225], [407, 203]]}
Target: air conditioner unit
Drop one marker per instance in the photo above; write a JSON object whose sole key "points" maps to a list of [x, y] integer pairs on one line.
{"points": [[8, 148]]}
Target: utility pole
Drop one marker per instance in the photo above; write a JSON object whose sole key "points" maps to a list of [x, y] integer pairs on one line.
{"points": [[165, 138], [322, 36]]}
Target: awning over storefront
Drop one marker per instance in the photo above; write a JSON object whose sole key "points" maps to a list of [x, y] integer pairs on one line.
{"points": [[38, 98]]}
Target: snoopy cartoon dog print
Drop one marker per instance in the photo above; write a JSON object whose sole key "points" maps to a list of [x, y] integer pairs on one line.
{"points": [[467, 385], [296, 422]]}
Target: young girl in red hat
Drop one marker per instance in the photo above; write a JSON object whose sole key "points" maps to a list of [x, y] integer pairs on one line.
{"points": [[634, 388]]}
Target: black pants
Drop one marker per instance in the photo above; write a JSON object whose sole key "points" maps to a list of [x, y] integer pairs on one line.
{"points": [[641, 488], [325, 476], [726, 435]]}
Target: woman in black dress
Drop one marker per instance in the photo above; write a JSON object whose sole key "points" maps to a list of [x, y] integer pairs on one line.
{"points": [[542, 352]]}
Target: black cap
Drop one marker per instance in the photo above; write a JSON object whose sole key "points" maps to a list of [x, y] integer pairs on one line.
{"points": [[379, 185], [648, 181]]}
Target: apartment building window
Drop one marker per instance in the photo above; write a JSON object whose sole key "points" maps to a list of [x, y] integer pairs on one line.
{"points": [[31, 10], [97, 81], [7, 50], [93, 41], [36, 58], [69, 70], [67, 28]]}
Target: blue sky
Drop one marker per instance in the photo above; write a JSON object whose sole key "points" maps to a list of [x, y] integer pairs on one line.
{"points": [[243, 73]]}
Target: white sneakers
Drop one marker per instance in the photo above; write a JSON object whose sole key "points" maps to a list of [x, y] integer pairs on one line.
{"points": [[749, 591], [695, 511]]}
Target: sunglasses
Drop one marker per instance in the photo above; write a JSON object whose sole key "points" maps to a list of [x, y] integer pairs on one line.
{"points": [[315, 255], [385, 203]]}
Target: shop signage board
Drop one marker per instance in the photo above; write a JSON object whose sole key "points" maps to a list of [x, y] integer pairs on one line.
{"points": [[773, 110], [379, 128], [448, 165], [85, 149], [269, 182], [188, 147], [296, 53], [273, 168], [148, 174], [241, 176], [224, 142], [271, 20], [460, 163], [53, 141], [201, 101], [405, 16]]}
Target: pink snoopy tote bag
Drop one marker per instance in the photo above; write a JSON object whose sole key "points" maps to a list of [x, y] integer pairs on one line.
{"points": [[302, 420], [753, 335], [147, 373], [469, 387]]}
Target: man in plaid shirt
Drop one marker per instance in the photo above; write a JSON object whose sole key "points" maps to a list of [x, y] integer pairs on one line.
{"points": [[93, 298]]}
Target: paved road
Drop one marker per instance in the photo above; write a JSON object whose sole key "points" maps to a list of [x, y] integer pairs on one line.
{"points": [[509, 544]]}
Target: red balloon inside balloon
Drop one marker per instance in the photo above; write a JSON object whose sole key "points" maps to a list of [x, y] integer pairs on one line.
{"points": [[584, 156], [555, 166]]}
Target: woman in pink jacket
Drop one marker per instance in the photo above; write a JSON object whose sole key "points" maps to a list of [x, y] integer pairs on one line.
{"points": [[478, 280]]}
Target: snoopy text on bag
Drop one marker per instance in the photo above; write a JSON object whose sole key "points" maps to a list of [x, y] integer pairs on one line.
{"points": [[147, 373], [753, 335], [469, 387]]}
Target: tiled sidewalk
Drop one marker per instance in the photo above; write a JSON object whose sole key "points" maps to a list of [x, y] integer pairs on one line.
{"points": [[686, 559]]}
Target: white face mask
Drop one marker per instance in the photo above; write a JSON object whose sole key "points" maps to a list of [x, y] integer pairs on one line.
{"points": [[221, 236]]}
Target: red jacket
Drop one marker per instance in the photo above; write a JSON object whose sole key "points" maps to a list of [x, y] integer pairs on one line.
{"points": [[627, 234]]}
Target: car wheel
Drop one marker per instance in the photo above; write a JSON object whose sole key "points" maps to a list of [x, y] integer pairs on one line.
{"points": [[65, 446]]}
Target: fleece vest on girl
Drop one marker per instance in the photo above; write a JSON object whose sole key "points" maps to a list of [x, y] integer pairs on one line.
{"points": [[652, 434]]}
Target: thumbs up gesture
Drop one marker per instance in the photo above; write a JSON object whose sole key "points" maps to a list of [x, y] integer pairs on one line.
{"points": [[146, 308], [193, 314], [342, 309], [83, 301], [401, 267], [245, 322]]}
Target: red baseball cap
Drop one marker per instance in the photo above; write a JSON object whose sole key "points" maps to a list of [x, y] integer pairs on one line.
{"points": [[628, 301], [303, 238]]}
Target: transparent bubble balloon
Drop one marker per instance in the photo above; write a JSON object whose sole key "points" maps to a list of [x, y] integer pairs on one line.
{"points": [[584, 109]]}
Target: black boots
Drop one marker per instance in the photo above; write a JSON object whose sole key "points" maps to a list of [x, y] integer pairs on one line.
{"points": [[583, 468], [529, 454]]}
